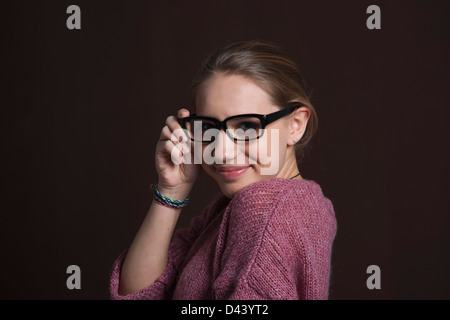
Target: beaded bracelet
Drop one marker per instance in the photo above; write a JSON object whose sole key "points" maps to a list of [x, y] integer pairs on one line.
{"points": [[165, 201]]}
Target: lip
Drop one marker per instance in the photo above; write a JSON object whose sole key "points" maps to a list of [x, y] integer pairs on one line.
{"points": [[231, 172]]}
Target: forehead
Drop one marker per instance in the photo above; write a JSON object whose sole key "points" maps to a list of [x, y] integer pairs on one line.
{"points": [[223, 96]]}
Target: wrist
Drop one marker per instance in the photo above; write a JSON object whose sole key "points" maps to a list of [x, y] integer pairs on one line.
{"points": [[176, 193]]}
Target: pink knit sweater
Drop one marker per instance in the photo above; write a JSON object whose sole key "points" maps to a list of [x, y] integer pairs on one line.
{"points": [[273, 240]]}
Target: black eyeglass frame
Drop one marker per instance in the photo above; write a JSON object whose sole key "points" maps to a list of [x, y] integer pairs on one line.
{"points": [[265, 120]]}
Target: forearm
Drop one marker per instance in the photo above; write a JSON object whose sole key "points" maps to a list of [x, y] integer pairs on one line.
{"points": [[147, 256]]}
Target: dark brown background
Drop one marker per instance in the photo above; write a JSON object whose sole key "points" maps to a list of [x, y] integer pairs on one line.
{"points": [[81, 112]]}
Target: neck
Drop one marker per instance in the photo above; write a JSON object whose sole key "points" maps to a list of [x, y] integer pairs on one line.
{"points": [[290, 169]]}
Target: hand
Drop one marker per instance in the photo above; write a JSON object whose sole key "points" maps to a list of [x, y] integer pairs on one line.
{"points": [[175, 179]]}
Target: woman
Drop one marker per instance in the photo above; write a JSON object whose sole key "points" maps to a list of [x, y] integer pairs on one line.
{"points": [[268, 234]]}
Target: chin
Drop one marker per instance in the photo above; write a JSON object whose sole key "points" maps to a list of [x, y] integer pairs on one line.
{"points": [[230, 187], [229, 191]]}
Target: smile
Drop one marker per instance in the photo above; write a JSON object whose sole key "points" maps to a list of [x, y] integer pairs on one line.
{"points": [[231, 172]]}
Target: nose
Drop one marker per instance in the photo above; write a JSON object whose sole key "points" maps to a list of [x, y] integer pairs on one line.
{"points": [[224, 149]]}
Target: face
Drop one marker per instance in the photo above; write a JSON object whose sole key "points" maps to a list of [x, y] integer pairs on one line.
{"points": [[238, 164]]}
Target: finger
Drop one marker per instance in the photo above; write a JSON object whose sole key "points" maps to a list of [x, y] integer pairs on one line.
{"points": [[175, 128], [182, 113], [175, 154], [170, 145], [166, 134]]}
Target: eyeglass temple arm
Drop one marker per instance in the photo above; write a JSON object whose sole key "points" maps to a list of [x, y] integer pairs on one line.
{"points": [[277, 115]]}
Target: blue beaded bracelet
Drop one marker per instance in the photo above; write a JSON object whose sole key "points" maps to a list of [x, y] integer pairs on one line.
{"points": [[165, 201]]}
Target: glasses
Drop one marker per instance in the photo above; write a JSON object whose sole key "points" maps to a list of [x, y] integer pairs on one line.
{"points": [[242, 127]]}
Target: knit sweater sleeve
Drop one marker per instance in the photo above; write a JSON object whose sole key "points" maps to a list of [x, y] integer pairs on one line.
{"points": [[162, 288], [278, 244]]}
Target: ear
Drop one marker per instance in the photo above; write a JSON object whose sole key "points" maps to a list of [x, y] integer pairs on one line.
{"points": [[298, 121]]}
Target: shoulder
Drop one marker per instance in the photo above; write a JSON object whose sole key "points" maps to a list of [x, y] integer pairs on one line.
{"points": [[278, 207], [277, 186], [276, 193]]}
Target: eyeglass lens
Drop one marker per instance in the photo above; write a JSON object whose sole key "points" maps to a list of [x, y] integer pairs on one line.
{"points": [[241, 128]]}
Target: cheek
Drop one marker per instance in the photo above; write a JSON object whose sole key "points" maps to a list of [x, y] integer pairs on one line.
{"points": [[273, 141]]}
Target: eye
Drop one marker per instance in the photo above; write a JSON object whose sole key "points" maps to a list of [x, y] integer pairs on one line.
{"points": [[207, 126], [248, 125]]}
